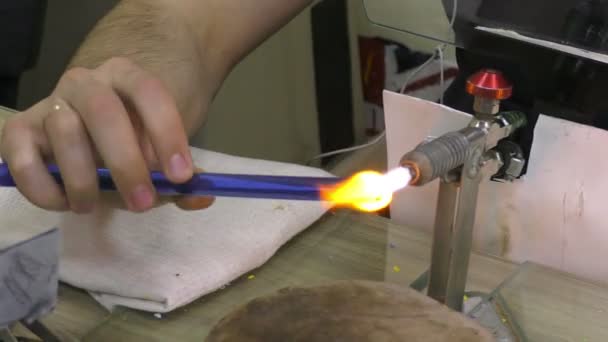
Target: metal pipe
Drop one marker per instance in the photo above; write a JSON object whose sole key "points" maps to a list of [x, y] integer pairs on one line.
{"points": [[453, 232], [457, 158], [216, 184], [438, 157]]}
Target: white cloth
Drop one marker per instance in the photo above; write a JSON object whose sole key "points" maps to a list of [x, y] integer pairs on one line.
{"points": [[167, 258]]}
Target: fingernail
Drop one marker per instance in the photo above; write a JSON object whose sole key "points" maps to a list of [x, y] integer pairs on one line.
{"points": [[178, 167], [141, 199]]}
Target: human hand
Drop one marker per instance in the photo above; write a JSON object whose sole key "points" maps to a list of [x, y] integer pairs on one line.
{"points": [[118, 116]]}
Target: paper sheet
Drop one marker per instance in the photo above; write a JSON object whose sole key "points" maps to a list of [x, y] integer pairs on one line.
{"points": [[555, 215], [166, 258]]}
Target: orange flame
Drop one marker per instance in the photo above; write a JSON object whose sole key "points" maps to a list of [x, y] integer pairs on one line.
{"points": [[368, 190]]}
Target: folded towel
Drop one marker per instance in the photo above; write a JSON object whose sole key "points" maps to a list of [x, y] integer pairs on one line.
{"points": [[167, 258]]}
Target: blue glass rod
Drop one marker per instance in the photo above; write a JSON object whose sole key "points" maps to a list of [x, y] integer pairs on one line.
{"points": [[216, 184]]}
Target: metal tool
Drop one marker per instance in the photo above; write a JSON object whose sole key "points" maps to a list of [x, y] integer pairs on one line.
{"points": [[215, 184], [461, 159]]}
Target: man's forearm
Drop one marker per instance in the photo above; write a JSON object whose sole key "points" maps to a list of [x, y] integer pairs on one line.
{"points": [[189, 44], [155, 35], [239, 26]]}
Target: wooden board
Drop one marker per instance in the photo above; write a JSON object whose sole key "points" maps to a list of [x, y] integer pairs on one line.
{"points": [[346, 311]]}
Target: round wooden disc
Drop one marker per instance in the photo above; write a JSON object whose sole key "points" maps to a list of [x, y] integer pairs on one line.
{"points": [[347, 311]]}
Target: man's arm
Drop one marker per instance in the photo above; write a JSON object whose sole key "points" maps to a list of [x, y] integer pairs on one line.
{"points": [[145, 76], [190, 44]]}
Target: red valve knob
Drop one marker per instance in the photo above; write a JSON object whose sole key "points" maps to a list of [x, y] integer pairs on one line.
{"points": [[489, 84]]}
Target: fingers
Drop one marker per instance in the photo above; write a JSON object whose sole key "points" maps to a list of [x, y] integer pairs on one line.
{"points": [[107, 122], [158, 114], [73, 153], [21, 151], [118, 115], [149, 154]]}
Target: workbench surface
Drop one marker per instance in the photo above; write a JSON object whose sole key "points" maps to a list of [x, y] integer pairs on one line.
{"points": [[549, 305]]}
